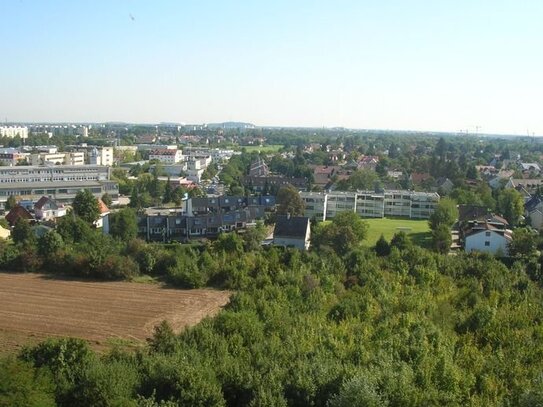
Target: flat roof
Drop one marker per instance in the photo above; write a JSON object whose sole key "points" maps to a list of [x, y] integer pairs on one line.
{"points": [[49, 184]]}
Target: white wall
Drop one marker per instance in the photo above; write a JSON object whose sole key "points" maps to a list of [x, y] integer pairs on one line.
{"points": [[477, 242]]}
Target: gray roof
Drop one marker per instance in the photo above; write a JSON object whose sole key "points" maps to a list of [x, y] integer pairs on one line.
{"points": [[293, 226]]}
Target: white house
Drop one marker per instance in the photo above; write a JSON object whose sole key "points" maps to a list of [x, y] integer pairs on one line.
{"points": [[103, 221], [47, 209], [488, 240], [167, 156], [292, 231]]}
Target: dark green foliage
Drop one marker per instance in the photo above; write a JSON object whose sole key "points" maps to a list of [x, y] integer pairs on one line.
{"points": [[400, 241], [10, 203], [382, 247], [124, 224], [345, 233], [50, 244], [446, 214], [163, 339], [23, 386], [441, 238], [22, 232], [289, 201], [85, 206], [511, 205], [106, 199]]}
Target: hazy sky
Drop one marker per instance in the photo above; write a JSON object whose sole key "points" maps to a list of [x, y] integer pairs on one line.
{"points": [[389, 64]]}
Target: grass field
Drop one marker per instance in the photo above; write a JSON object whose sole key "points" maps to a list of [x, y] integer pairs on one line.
{"points": [[34, 307], [271, 148], [418, 230]]}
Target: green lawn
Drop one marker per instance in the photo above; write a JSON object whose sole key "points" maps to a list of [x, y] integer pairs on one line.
{"points": [[418, 230], [270, 148]]}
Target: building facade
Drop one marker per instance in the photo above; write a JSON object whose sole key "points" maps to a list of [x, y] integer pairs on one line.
{"points": [[60, 182], [370, 204], [14, 131]]}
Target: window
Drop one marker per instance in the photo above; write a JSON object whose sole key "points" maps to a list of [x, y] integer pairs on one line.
{"points": [[487, 233], [487, 243]]}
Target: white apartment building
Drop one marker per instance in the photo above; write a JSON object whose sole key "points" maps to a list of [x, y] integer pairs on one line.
{"points": [[60, 182], [166, 156], [101, 156], [74, 158], [14, 131], [370, 204]]}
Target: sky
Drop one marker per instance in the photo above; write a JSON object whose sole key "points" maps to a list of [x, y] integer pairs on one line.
{"points": [[435, 65]]}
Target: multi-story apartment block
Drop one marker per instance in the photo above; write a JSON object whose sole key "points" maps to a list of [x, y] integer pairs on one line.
{"points": [[370, 204], [101, 156], [315, 204], [14, 131], [74, 158], [60, 182], [167, 156]]}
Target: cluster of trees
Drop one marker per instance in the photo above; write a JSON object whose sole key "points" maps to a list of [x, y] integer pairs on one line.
{"points": [[411, 327]]}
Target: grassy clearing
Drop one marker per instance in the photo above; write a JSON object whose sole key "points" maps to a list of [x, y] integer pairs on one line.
{"points": [[271, 148], [418, 230]]}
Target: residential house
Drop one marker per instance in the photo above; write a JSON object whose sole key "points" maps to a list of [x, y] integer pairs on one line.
{"points": [[485, 237], [179, 226], [167, 156], [482, 231], [259, 168], [292, 231], [534, 211], [419, 178], [444, 184], [527, 187], [271, 184], [48, 209], [17, 213], [368, 162], [530, 168], [103, 221]]}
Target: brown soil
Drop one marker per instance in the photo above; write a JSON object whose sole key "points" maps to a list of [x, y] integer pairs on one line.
{"points": [[34, 307]]}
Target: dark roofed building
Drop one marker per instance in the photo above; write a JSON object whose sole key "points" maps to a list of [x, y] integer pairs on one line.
{"points": [[292, 231], [18, 212]]}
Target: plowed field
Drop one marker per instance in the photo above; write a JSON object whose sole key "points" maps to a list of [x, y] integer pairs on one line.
{"points": [[33, 307]]}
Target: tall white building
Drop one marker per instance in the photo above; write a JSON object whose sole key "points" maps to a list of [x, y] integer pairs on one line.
{"points": [[101, 156], [14, 131]]}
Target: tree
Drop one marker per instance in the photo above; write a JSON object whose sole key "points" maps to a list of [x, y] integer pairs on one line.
{"points": [[290, 201], [446, 213], [511, 205], [346, 231], [124, 224], [11, 202], [163, 339], [168, 193], [442, 239], [106, 199], [23, 386], [50, 243], [22, 232], [524, 242], [400, 240], [86, 206], [382, 247]]}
